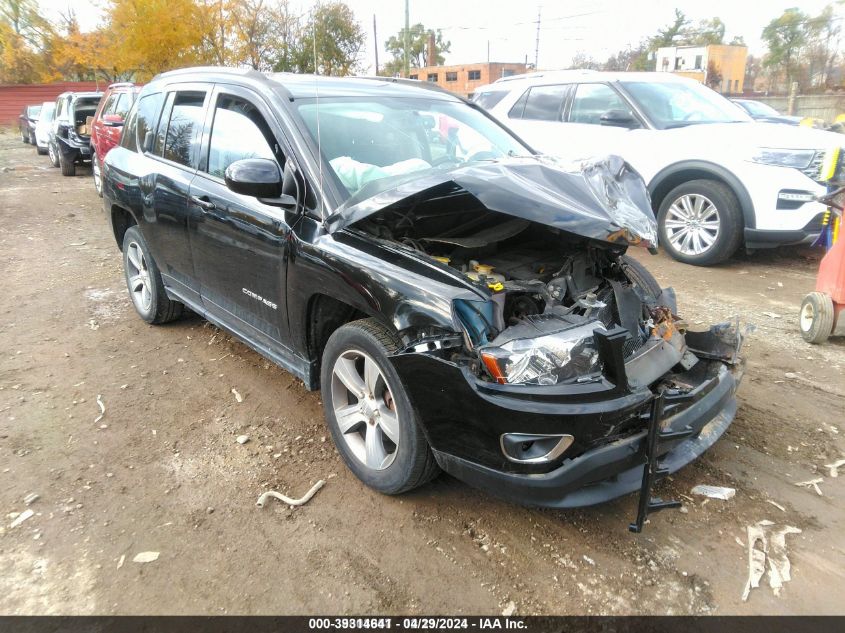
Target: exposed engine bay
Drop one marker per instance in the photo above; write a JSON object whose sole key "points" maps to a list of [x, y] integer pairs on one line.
{"points": [[546, 286]]}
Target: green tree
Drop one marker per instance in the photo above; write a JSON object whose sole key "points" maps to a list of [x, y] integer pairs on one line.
{"points": [[418, 42], [703, 33], [822, 49], [785, 36], [585, 61], [629, 59], [330, 41]]}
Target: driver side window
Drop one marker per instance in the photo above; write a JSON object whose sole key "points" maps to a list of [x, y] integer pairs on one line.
{"points": [[593, 100], [237, 132]]}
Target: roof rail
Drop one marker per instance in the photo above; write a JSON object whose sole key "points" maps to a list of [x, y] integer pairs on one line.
{"points": [[203, 70], [543, 73], [416, 83]]}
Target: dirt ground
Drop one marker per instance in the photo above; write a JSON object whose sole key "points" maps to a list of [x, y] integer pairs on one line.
{"points": [[162, 471]]}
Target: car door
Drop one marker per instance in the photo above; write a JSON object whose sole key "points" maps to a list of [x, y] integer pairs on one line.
{"points": [[173, 152], [239, 243], [586, 134], [536, 117]]}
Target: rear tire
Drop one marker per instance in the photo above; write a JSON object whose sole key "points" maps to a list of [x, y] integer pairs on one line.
{"points": [[24, 138], [54, 157], [816, 317], [717, 225], [376, 432], [67, 165], [143, 280], [32, 138]]}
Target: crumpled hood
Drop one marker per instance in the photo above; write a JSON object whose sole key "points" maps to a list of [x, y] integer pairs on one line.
{"points": [[603, 199]]}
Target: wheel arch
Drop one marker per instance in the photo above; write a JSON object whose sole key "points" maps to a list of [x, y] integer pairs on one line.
{"points": [[324, 314], [670, 177], [121, 220]]}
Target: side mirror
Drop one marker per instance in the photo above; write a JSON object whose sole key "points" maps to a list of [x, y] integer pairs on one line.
{"points": [[259, 178], [147, 145], [619, 118], [112, 120]]}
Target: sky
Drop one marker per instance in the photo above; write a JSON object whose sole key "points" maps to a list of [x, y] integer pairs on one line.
{"points": [[596, 27]]}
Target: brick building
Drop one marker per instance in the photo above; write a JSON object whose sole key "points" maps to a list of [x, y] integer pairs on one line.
{"points": [[462, 79]]}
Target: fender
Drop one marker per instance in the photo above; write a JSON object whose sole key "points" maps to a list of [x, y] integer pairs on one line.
{"points": [[705, 167]]}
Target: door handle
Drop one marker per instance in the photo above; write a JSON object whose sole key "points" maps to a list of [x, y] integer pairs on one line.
{"points": [[203, 203]]}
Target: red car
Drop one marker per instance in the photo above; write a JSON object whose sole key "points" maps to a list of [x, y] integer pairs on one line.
{"points": [[108, 124]]}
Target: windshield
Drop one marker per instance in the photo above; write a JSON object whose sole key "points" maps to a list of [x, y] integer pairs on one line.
{"points": [[32, 111], [677, 104], [755, 108], [384, 139]]}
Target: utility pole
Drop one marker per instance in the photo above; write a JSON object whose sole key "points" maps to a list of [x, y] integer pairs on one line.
{"points": [[407, 28], [375, 41], [537, 43]]}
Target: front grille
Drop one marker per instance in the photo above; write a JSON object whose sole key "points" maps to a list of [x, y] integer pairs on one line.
{"points": [[633, 343], [814, 169]]}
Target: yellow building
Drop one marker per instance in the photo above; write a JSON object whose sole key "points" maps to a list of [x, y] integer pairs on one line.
{"points": [[720, 66]]}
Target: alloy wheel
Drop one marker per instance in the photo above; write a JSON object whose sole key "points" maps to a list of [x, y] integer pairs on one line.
{"points": [[52, 153], [365, 410], [138, 276], [692, 224]]}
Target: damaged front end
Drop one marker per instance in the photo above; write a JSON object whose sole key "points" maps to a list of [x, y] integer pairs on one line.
{"points": [[569, 378]]}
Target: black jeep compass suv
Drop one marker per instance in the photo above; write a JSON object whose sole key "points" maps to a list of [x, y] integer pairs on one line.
{"points": [[463, 303]]}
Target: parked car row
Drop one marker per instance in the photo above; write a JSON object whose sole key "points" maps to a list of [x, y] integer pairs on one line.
{"points": [[79, 128], [718, 179]]}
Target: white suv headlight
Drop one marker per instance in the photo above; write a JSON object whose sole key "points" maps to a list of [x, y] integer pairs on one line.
{"points": [[797, 158]]}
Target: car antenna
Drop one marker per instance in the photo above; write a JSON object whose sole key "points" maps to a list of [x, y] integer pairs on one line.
{"points": [[319, 140]]}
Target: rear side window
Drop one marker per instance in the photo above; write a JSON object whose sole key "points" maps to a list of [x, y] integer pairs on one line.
{"points": [[124, 102], [185, 122], [489, 100], [149, 110], [544, 103], [108, 106], [239, 131]]}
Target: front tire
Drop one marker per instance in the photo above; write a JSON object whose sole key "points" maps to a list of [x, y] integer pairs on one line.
{"points": [[54, 156], [143, 280], [372, 422], [700, 222]]}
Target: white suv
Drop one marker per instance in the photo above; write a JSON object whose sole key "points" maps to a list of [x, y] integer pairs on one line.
{"points": [[717, 178]]}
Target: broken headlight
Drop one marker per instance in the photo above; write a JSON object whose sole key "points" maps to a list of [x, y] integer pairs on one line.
{"points": [[542, 351]]}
